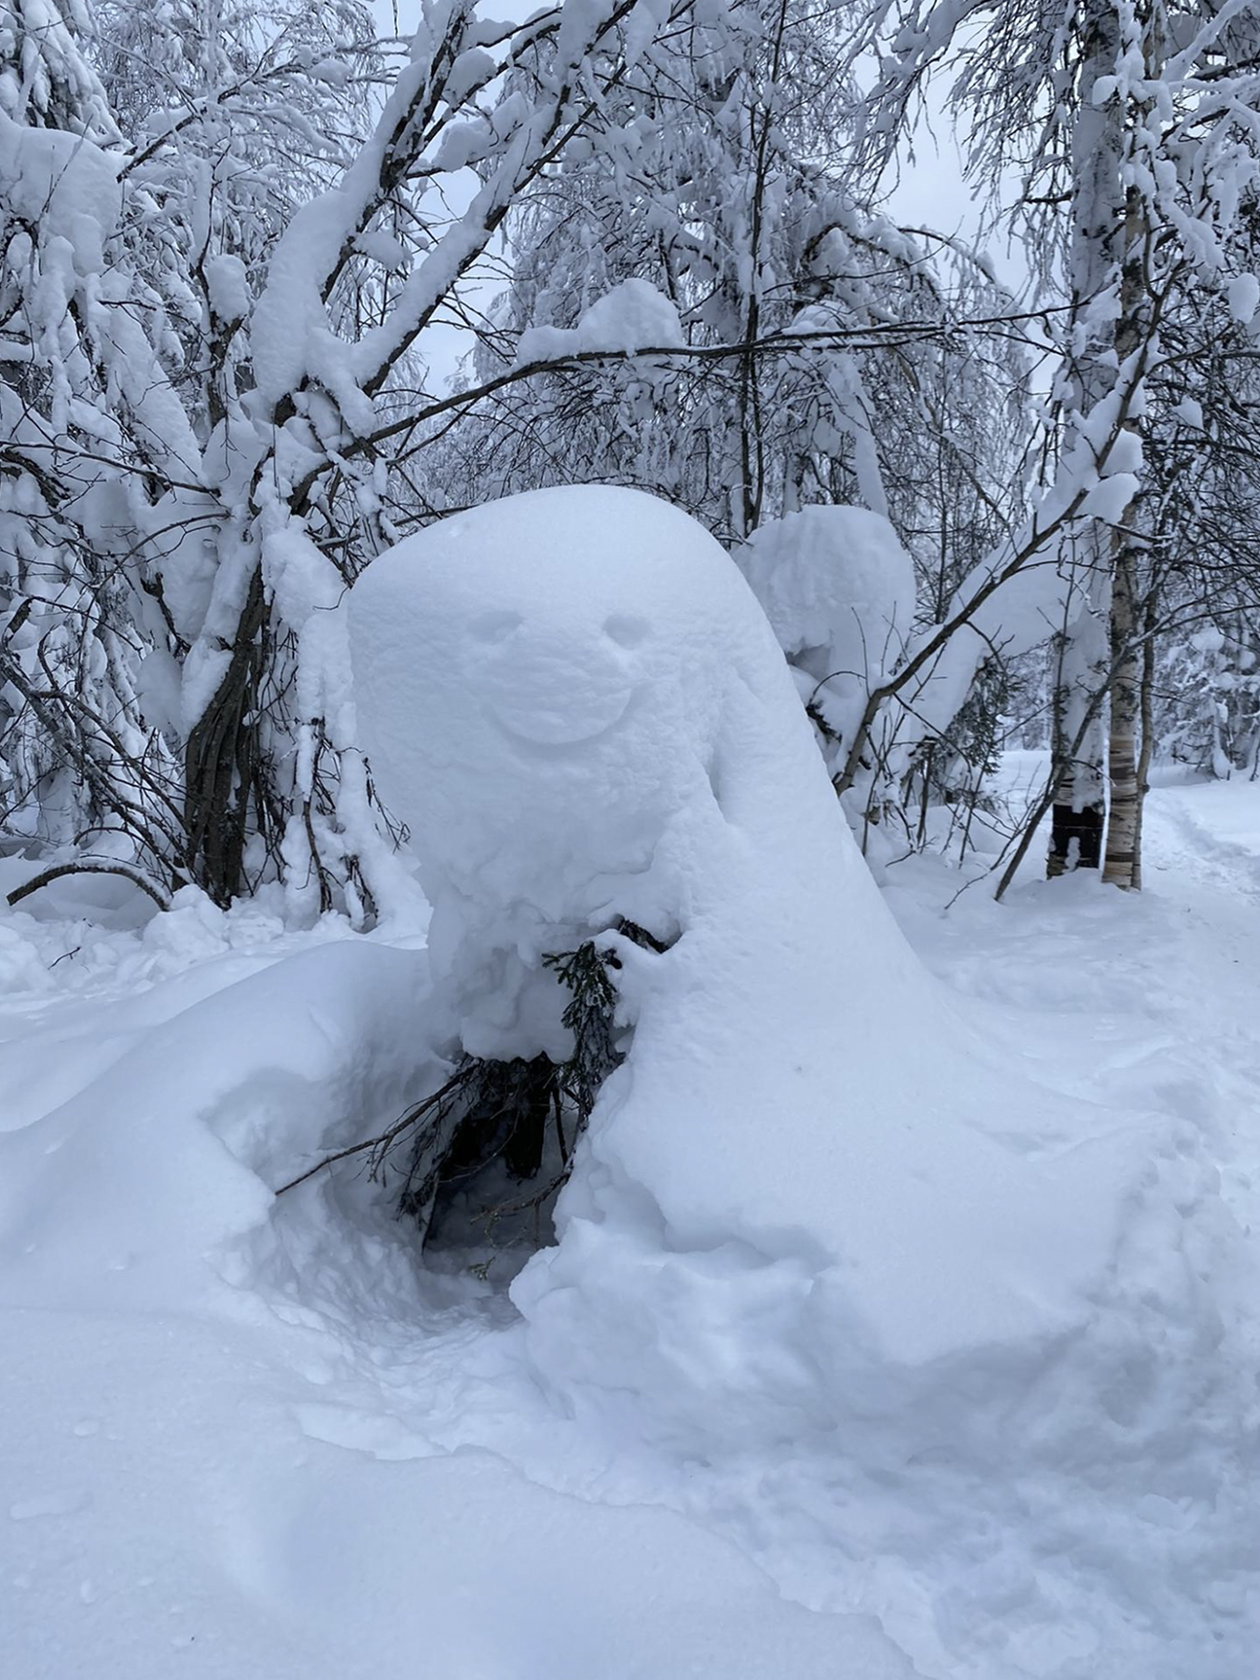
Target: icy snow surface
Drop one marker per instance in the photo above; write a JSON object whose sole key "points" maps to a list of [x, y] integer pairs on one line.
{"points": [[253, 1438]]}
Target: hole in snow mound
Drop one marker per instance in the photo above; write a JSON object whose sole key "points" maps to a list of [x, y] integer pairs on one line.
{"points": [[478, 1162], [491, 1152]]}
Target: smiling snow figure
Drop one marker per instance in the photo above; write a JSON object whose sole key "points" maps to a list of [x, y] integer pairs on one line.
{"points": [[542, 684], [785, 1204]]}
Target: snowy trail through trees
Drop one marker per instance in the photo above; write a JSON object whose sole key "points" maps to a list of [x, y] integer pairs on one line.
{"points": [[295, 1461]]}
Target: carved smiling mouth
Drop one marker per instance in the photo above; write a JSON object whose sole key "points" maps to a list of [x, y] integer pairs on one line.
{"points": [[585, 718]]}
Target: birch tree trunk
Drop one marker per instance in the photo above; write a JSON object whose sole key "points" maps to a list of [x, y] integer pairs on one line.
{"points": [[1146, 691], [1079, 808], [1079, 743], [1123, 863]]}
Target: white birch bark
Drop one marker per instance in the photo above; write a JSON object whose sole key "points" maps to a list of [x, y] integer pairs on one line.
{"points": [[1079, 798], [1122, 864]]}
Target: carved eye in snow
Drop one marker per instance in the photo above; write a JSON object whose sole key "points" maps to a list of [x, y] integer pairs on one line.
{"points": [[626, 630]]}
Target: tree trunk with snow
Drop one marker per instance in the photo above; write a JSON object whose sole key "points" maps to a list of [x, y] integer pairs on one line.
{"points": [[1079, 738], [1123, 865], [1078, 817], [1146, 711]]}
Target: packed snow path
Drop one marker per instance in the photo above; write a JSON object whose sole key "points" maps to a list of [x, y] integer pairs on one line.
{"points": [[320, 1465]]}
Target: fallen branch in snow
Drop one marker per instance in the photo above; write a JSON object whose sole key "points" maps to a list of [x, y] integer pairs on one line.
{"points": [[384, 1141], [47, 876]]}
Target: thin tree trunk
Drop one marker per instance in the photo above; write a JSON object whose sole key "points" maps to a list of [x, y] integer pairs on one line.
{"points": [[1077, 812], [1122, 866], [1079, 805], [1123, 863], [751, 429], [1147, 710]]}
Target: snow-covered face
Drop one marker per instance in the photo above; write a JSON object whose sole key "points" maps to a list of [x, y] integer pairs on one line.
{"points": [[546, 685], [540, 683]]}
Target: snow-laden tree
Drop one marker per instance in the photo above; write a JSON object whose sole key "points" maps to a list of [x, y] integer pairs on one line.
{"points": [[808, 318], [88, 423], [722, 205], [1199, 681], [821, 354], [237, 114], [478, 113], [1206, 699], [1130, 127]]}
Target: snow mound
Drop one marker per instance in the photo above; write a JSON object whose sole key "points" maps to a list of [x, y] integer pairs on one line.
{"points": [[806, 1193], [839, 591], [167, 1143], [632, 316], [833, 581], [196, 1474]]}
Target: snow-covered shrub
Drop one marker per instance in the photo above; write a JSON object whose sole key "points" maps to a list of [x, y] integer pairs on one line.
{"points": [[87, 421], [839, 591]]}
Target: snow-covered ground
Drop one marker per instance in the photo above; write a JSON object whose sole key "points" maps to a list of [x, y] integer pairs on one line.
{"points": [[243, 1439]]}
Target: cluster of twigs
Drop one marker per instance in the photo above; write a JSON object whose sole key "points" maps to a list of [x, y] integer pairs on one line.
{"points": [[378, 1149], [502, 1111]]}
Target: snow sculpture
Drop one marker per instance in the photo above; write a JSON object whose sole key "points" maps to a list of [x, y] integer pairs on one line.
{"points": [[786, 1204]]}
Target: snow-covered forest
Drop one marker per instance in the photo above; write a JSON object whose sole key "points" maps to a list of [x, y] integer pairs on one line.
{"points": [[630, 839]]}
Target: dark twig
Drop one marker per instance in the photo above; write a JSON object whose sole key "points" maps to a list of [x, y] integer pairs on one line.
{"points": [[49, 875], [384, 1142]]}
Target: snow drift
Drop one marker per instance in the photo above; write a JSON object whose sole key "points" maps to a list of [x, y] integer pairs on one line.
{"points": [[192, 1471], [172, 1146]]}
